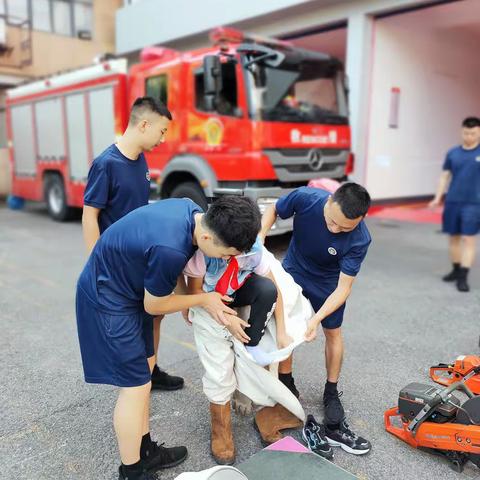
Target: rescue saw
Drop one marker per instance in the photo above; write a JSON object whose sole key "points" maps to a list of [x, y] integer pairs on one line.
{"points": [[446, 374], [434, 419]]}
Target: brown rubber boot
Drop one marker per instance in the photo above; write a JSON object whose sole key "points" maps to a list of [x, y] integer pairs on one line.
{"points": [[221, 441], [270, 420]]}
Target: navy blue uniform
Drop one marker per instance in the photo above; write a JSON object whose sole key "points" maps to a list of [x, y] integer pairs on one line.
{"points": [[116, 185], [146, 249], [315, 256], [461, 215]]}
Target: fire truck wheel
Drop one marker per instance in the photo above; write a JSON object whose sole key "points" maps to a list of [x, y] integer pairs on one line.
{"points": [[190, 190], [56, 199]]}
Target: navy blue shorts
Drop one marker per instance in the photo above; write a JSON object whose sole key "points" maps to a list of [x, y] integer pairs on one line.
{"points": [[461, 218], [114, 348], [335, 319]]}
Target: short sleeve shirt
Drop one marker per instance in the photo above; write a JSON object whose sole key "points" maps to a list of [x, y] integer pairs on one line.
{"points": [[146, 249], [116, 185], [465, 168], [315, 256]]}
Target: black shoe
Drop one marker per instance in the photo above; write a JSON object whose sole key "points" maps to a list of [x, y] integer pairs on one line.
{"points": [[314, 435], [157, 456], [462, 285], [163, 381], [452, 276], [350, 442], [289, 382], [143, 476], [334, 412]]}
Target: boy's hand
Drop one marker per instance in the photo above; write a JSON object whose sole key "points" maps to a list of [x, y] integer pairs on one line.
{"points": [[436, 202], [214, 304], [236, 327], [311, 332], [284, 340]]}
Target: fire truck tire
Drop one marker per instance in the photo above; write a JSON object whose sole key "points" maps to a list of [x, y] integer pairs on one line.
{"points": [[56, 199], [190, 190]]}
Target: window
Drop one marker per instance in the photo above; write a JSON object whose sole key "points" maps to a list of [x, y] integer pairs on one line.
{"points": [[227, 101], [156, 87], [17, 10], [63, 17], [41, 15], [83, 17]]}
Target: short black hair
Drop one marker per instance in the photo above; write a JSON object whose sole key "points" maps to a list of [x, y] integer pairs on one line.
{"points": [[354, 200], [147, 104], [235, 221], [471, 122]]}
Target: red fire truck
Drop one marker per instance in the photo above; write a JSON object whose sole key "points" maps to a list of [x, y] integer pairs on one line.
{"points": [[252, 116]]}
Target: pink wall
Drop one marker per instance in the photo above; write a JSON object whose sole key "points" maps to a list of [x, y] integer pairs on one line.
{"points": [[435, 63]]}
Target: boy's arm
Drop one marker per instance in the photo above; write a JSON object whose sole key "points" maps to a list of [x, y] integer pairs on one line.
{"points": [[91, 230], [194, 285]]}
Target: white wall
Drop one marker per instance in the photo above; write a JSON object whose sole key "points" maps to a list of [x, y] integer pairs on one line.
{"points": [[436, 65]]}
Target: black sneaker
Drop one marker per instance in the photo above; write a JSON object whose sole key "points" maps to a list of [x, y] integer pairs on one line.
{"points": [[350, 442], [157, 456], [163, 381], [143, 476], [289, 382], [334, 412], [314, 435]]}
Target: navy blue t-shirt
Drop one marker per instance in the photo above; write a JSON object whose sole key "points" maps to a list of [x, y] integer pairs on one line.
{"points": [[116, 185], [146, 249], [465, 168], [315, 256]]}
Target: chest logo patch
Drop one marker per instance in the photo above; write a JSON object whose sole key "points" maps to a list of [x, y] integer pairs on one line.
{"points": [[332, 251], [477, 159], [147, 176]]}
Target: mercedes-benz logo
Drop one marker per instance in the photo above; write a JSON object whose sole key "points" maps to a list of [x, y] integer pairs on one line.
{"points": [[315, 159]]}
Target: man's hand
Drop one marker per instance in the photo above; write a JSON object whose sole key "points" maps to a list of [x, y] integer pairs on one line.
{"points": [[436, 202], [284, 340], [311, 333], [213, 304], [236, 328]]}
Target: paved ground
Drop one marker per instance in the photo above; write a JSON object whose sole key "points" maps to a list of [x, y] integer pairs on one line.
{"points": [[401, 319]]}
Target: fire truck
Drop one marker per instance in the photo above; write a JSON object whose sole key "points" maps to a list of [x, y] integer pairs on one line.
{"points": [[252, 116]]}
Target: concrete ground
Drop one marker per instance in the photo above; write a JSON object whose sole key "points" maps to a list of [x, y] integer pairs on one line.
{"points": [[400, 320]]}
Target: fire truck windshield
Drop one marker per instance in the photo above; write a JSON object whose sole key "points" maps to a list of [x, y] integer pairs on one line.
{"points": [[307, 92]]}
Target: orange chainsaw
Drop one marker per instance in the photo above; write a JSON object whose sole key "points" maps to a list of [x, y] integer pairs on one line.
{"points": [[433, 419], [446, 374]]}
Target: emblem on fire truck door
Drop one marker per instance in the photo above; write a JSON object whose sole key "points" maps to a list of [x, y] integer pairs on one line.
{"points": [[214, 131]]}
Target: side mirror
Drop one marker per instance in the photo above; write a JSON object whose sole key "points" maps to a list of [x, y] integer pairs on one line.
{"points": [[212, 80], [259, 75]]}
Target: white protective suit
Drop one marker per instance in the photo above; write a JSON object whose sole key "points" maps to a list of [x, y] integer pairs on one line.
{"points": [[228, 365]]}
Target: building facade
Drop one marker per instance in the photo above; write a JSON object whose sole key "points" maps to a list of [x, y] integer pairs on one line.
{"points": [[412, 68]]}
